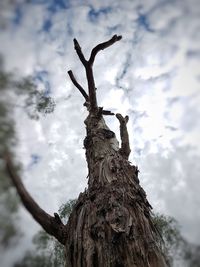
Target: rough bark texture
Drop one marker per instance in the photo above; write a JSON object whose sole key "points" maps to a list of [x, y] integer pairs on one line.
{"points": [[111, 224]]}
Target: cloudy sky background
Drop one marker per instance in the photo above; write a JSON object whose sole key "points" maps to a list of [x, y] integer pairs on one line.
{"points": [[152, 74]]}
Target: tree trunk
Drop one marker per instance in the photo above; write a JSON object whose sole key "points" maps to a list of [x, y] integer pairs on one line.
{"points": [[111, 224]]}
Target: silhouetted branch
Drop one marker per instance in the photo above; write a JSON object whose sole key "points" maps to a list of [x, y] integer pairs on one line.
{"points": [[80, 88], [104, 112], [125, 147], [79, 52], [52, 225], [102, 46], [107, 112], [89, 71]]}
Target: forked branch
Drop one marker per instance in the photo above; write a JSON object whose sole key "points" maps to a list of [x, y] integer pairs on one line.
{"points": [[89, 71], [52, 225], [125, 147]]}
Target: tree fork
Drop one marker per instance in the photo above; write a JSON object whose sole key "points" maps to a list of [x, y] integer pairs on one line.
{"points": [[88, 68]]}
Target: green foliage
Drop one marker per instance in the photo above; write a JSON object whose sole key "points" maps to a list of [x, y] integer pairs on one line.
{"points": [[31, 259], [8, 199], [41, 240], [8, 207], [35, 102], [173, 245], [66, 209]]}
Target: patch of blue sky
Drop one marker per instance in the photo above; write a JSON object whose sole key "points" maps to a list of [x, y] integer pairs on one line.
{"points": [[94, 15], [144, 15], [52, 5], [47, 25], [37, 1], [57, 5], [47, 88], [42, 77], [143, 21], [35, 158], [18, 15]]}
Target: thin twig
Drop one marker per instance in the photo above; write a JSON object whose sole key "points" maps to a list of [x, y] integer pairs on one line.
{"points": [[107, 112], [80, 88]]}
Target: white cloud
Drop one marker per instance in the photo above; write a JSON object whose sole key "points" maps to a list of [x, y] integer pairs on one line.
{"points": [[147, 74]]}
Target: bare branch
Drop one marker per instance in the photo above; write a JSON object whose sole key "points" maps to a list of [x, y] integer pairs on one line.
{"points": [[80, 88], [125, 147], [102, 46], [52, 225], [107, 112], [104, 112], [89, 71], [79, 52]]}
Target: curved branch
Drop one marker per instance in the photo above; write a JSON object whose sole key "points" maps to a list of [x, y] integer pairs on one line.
{"points": [[80, 88], [125, 147], [102, 46], [52, 225]]}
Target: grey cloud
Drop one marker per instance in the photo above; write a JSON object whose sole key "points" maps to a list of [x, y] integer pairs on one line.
{"points": [[173, 181], [169, 176], [193, 54]]}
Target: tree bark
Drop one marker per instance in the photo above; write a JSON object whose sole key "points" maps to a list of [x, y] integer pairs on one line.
{"points": [[111, 223]]}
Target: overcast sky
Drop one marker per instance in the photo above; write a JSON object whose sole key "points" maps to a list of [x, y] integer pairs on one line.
{"points": [[152, 75]]}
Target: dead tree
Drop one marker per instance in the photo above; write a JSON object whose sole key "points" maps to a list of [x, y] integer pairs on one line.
{"points": [[111, 224]]}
